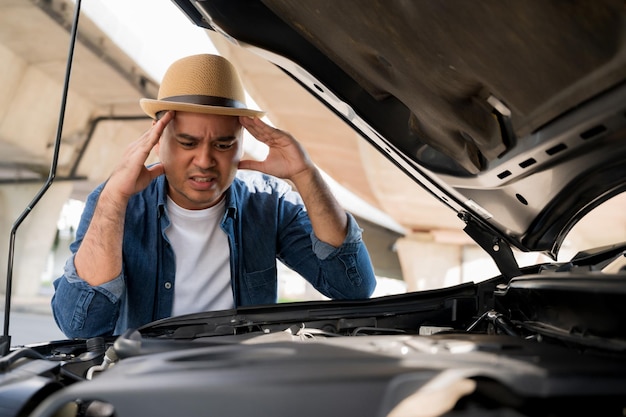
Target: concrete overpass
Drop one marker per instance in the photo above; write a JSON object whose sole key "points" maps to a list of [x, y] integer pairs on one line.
{"points": [[410, 235], [101, 115]]}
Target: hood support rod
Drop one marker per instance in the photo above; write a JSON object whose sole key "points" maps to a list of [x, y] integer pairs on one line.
{"points": [[5, 339]]}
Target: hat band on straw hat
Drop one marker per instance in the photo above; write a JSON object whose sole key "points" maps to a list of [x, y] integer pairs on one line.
{"points": [[206, 101]]}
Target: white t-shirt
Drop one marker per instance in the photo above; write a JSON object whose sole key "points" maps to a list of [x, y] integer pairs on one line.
{"points": [[202, 259]]}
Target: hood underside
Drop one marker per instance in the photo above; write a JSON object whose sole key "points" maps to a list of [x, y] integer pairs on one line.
{"points": [[511, 113]]}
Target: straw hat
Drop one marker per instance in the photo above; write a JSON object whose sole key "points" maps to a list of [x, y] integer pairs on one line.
{"points": [[200, 84]]}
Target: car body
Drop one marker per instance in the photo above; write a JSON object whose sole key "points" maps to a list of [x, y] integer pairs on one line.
{"points": [[513, 116]]}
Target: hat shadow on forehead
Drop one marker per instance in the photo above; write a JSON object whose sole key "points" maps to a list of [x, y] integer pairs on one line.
{"points": [[201, 83]]}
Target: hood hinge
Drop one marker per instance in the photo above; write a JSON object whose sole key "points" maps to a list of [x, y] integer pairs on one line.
{"points": [[499, 250]]}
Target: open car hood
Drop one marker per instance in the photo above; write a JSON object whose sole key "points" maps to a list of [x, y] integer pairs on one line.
{"points": [[510, 113]]}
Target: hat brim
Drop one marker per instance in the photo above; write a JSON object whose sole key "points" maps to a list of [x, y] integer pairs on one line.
{"points": [[152, 107]]}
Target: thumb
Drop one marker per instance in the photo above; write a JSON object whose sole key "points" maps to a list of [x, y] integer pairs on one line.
{"points": [[156, 170], [250, 164]]}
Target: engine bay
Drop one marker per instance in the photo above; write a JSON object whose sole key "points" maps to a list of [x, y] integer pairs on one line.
{"points": [[313, 372], [474, 349]]}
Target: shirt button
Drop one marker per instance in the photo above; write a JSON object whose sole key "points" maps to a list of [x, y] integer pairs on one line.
{"points": [[168, 285]]}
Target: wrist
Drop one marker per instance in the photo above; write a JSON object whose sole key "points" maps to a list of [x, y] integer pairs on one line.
{"points": [[111, 200], [309, 175]]}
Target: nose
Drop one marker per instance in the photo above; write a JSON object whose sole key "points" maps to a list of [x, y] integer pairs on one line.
{"points": [[203, 158]]}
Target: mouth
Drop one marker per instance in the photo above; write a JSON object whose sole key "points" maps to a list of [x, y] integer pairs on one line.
{"points": [[202, 183], [202, 179]]}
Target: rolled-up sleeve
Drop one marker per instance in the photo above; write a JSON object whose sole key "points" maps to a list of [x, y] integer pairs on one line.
{"points": [[81, 310], [323, 250], [346, 271]]}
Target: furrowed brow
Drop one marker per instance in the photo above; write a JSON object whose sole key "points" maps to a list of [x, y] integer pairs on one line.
{"points": [[226, 138], [191, 137], [187, 137]]}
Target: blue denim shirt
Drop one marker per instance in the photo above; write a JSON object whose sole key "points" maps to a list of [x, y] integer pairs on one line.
{"points": [[264, 219]]}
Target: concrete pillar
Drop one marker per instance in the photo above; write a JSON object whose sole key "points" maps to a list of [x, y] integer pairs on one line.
{"points": [[34, 236], [428, 264], [477, 264]]}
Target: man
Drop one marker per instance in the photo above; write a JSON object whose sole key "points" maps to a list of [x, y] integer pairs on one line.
{"points": [[194, 233]]}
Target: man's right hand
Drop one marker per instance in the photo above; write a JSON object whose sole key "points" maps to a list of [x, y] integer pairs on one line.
{"points": [[131, 175]]}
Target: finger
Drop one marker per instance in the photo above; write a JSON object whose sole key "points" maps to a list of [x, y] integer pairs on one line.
{"points": [[257, 128], [159, 126], [248, 121], [151, 137]]}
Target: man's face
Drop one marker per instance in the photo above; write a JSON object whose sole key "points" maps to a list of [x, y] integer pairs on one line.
{"points": [[200, 154]]}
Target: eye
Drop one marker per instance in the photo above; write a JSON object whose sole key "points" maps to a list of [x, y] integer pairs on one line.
{"points": [[224, 146], [186, 143]]}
